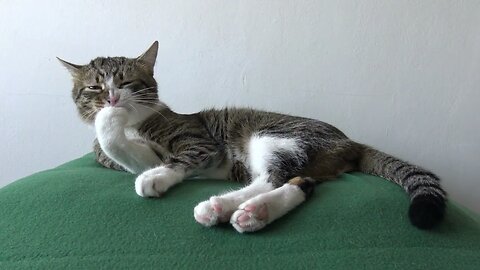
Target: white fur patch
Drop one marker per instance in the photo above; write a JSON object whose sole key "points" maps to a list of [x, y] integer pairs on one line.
{"points": [[262, 148], [261, 151], [110, 125]]}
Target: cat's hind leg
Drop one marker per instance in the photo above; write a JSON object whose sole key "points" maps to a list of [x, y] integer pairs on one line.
{"points": [[280, 159], [219, 208], [257, 212], [271, 161]]}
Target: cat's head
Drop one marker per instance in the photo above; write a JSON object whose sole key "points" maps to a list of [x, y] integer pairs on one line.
{"points": [[115, 81]]}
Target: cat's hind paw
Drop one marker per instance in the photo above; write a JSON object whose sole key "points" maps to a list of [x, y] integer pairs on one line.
{"points": [[212, 212], [250, 217]]}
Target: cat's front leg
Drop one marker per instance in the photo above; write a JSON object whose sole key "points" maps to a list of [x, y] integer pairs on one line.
{"points": [[103, 159], [135, 157], [154, 182]]}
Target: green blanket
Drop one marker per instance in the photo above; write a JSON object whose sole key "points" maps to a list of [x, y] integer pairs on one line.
{"points": [[81, 215]]}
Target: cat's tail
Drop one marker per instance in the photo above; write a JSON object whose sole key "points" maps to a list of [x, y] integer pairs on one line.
{"points": [[427, 198]]}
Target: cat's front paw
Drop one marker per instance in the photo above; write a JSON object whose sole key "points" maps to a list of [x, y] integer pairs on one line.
{"points": [[213, 211], [110, 117], [154, 182]]}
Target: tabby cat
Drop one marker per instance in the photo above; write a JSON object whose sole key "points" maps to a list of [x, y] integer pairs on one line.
{"points": [[279, 157]]}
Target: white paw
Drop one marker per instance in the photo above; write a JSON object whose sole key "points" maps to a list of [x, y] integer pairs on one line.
{"points": [[154, 182], [213, 211], [250, 217]]}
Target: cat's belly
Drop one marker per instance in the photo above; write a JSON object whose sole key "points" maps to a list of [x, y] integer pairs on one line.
{"points": [[222, 171]]}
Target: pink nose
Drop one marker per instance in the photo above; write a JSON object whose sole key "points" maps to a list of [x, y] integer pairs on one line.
{"points": [[113, 100]]}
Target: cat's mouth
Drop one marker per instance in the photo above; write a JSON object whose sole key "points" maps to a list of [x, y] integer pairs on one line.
{"points": [[137, 105], [118, 99]]}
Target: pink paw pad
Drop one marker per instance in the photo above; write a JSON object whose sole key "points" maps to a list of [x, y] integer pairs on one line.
{"points": [[243, 218], [250, 208], [252, 212], [217, 208]]}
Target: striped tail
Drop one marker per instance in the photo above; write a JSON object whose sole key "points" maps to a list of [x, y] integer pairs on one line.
{"points": [[427, 198]]}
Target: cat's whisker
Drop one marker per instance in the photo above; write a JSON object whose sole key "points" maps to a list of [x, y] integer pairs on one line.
{"points": [[133, 107], [146, 102], [158, 112], [145, 99], [84, 114], [89, 114], [135, 101], [151, 87], [145, 89], [146, 95]]}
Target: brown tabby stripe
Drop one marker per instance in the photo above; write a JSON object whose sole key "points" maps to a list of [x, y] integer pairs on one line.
{"points": [[415, 180]]}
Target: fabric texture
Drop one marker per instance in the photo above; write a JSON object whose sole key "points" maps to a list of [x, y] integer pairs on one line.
{"points": [[82, 216]]}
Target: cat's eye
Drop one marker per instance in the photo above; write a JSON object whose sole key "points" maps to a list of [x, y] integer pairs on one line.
{"points": [[94, 88], [124, 84]]}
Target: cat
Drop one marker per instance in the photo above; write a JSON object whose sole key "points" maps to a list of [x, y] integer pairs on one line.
{"points": [[280, 157]]}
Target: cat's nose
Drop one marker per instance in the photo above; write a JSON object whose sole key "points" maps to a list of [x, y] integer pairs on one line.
{"points": [[112, 98]]}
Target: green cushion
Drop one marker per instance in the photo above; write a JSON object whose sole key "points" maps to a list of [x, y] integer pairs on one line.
{"points": [[81, 215]]}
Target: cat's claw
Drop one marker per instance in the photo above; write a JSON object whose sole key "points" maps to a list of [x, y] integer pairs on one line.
{"points": [[250, 217], [212, 212]]}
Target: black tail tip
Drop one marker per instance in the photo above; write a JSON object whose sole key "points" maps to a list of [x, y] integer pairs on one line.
{"points": [[426, 211]]}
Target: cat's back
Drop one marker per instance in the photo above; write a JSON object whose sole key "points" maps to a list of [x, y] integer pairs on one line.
{"points": [[241, 123]]}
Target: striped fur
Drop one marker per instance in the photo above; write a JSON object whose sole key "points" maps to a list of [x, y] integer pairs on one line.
{"points": [[426, 195], [215, 139]]}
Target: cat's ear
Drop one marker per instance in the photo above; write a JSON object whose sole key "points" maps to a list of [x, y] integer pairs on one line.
{"points": [[72, 68], [148, 58]]}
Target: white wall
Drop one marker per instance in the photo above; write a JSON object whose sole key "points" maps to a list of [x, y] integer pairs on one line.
{"points": [[403, 76]]}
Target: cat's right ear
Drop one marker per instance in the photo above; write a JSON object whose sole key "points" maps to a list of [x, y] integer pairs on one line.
{"points": [[72, 68], [149, 57]]}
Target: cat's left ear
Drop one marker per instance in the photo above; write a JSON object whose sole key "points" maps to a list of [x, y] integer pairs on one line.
{"points": [[148, 58], [72, 68]]}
